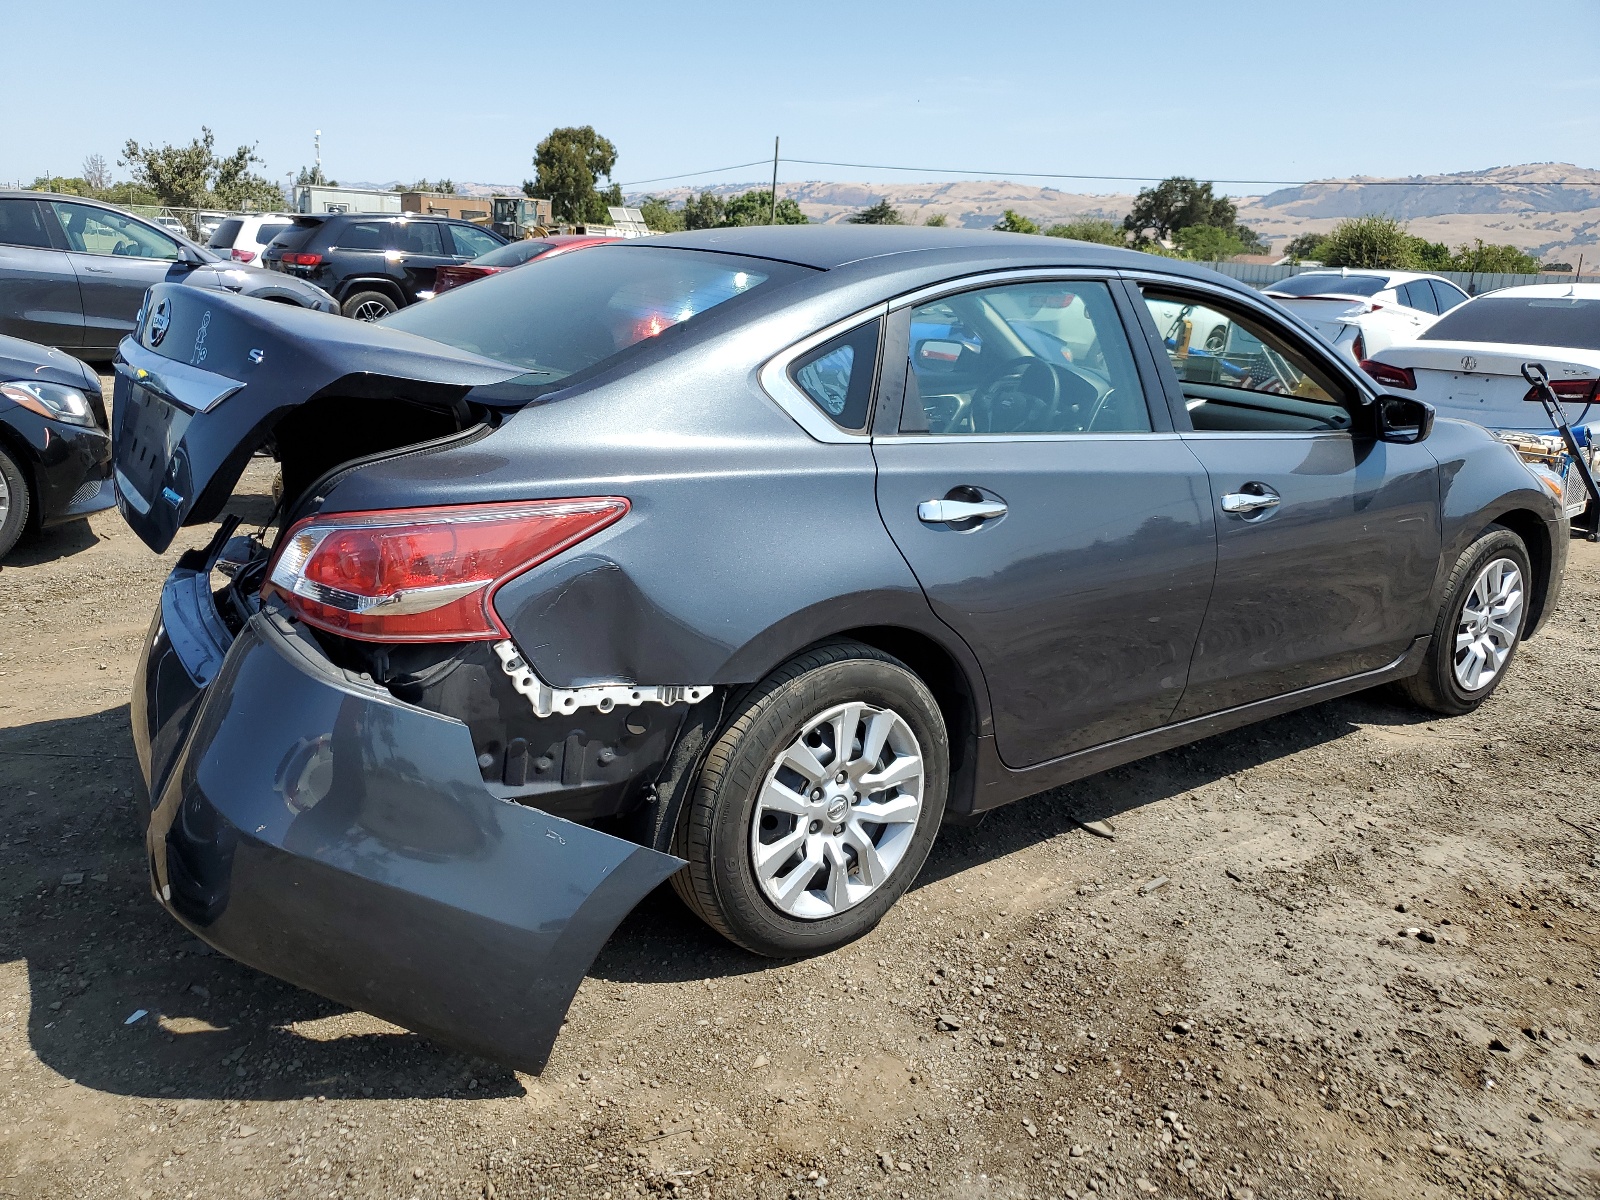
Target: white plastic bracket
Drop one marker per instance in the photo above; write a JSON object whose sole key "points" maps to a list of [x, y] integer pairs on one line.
{"points": [[547, 700]]}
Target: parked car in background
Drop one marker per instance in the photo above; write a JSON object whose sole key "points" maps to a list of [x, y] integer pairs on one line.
{"points": [[55, 451], [243, 238], [171, 225], [1362, 312], [372, 264], [743, 557], [74, 272], [513, 254]]}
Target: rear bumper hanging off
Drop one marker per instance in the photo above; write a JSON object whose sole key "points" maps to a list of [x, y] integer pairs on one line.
{"points": [[313, 827]]}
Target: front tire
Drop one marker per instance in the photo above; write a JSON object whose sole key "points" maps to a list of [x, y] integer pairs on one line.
{"points": [[369, 306], [1479, 627], [15, 502], [817, 806]]}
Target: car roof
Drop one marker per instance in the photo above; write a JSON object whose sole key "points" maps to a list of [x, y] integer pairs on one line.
{"points": [[1546, 291], [826, 247], [1371, 273]]}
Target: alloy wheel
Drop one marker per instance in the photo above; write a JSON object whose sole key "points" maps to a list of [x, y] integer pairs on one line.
{"points": [[837, 811], [5, 500], [370, 310], [1490, 621]]}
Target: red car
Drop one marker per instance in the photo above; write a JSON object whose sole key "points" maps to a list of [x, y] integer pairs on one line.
{"points": [[513, 254]]}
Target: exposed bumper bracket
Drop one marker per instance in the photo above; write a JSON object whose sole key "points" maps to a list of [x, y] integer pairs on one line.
{"points": [[547, 700]]}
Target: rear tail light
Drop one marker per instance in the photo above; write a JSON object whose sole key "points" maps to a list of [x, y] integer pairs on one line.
{"points": [[1395, 377], [302, 260], [1359, 348], [1571, 391], [244, 255], [449, 277], [424, 574]]}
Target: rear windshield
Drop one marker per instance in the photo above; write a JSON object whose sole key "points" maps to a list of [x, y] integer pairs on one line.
{"points": [[267, 232], [1524, 320], [568, 312], [512, 254], [1329, 285], [222, 237], [296, 235]]}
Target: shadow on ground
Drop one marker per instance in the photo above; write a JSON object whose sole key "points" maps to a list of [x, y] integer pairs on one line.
{"points": [[99, 948]]}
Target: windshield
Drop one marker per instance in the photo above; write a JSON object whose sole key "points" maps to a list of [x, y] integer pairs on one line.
{"points": [[1317, 284], [1522, 320], [567, 312], [512, 254]]}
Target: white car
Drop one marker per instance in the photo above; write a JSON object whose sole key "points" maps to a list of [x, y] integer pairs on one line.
{"points": [[244, 238], [1362, 312], [1468, 364]]}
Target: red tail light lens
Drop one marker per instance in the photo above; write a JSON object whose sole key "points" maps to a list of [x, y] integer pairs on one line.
{"points": [[1571, 391], [302, 260], [424, 574], [1394, 377], [1359, 346], [244, 256]]}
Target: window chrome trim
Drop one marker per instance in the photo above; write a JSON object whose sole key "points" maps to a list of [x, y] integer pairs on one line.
{"points": [[947, 439], [781, 390], [1364, 386]]}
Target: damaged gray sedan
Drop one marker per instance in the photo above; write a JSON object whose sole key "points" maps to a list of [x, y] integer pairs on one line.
{"points": [[747, 558]]}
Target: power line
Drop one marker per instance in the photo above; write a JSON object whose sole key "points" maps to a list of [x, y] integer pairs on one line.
{"points": [[819, 162]]}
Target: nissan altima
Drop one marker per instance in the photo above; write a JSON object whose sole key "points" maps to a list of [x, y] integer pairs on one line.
{"points": [[745, 559]]}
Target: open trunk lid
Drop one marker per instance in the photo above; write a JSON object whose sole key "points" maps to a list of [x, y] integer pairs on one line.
{"points": [[205, 377]]}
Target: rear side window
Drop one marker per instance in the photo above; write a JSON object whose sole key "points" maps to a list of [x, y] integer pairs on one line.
{"points": [[1522, 320], [1418, 295], [417, 237], [838, 375], [267, 232], [1448, 295], [472, 242], [223, 237], [363, 235], [22, 224]]}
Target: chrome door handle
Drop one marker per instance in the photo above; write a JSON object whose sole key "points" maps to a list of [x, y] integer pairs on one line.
{"points": [[1249, 502], [939, 512], [97, 270]]}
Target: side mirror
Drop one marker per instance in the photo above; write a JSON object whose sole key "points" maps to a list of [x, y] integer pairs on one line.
{"points": [[935, 356], [1403, 419], [189, 257]]}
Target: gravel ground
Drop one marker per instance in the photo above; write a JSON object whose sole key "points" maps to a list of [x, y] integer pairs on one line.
{"points": [[1371, 971]]}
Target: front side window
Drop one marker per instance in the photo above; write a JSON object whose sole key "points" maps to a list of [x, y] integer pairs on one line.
{"points": [[92, 230], [472, 242], [838, 375], [1025, 358], [22, 224], [568, 312], [1238, 374]]}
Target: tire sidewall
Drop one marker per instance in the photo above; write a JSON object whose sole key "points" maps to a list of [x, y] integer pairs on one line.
{"points": [[349, 307], [782, 716], [21, 508], [1498, 543]]}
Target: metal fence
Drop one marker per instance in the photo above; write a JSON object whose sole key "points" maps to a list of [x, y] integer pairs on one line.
{"points": [[1474, 283]]}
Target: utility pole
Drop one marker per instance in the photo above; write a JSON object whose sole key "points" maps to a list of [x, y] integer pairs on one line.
{"points": [[773, 218]]}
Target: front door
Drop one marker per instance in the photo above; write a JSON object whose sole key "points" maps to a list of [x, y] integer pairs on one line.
{"points": [[117, 259], [1053, 524], [38, 288], [422, 250], [1327, 538]]}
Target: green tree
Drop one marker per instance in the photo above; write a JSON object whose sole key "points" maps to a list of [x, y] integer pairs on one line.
{"points": [[313, 177], [1370, 241], [703, 211], [1431, 256], [193, 176], [1177, 203], [1495, 260], [568, 165], [755, 208], [937, 221], [1207, 243], [1104, 233], [881, 213], [1012, 221], [661, 216], [443, 187], [1306, 246]]}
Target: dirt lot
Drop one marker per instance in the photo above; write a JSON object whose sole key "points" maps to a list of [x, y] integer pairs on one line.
{"points": [[1372, 972]]}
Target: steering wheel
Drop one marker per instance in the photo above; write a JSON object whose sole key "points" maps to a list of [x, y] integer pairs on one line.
{"points": [[1022, 398]]}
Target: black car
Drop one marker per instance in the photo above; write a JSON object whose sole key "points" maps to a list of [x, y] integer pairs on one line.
{"points": [[375, 264], [55, 453], [73, 272], [746, 558]]}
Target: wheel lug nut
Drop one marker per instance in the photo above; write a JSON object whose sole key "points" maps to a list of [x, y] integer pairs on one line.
{"points": [[840, 777], [816, 793], [816, 826]]}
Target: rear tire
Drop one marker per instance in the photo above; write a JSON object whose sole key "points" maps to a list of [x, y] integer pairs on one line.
{"points": [[788, 862], [1479, 626], [16, 502], [369, 306]]}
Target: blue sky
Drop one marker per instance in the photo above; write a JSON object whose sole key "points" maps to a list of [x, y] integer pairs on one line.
{"points": [[1281, 90]]}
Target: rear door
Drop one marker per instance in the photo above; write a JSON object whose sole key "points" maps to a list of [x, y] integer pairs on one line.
{"points": [[39, 298], [117, 259], [1054, 520], [1327, 539]]}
